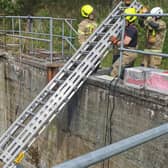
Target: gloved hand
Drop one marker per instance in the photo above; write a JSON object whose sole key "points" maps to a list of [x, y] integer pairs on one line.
{"points": [[113, 40]]}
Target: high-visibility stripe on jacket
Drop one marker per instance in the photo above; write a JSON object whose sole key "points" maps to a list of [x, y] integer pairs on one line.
{"points": [[85, 29]]}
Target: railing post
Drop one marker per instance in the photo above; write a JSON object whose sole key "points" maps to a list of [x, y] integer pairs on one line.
{"points": [[70, 34], [122, 45], [63, 33], [13, 29], [51, 39], [20, 39], [4, 25]]}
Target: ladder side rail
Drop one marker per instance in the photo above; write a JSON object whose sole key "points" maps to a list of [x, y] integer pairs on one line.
{"points": [[56, 100]]}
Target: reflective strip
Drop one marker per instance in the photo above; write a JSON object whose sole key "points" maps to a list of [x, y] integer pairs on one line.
{"points": [[153, 32], [91, 27], [81, 32]]}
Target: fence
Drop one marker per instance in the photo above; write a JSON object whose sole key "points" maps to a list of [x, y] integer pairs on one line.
{"points": [[44, 37]]}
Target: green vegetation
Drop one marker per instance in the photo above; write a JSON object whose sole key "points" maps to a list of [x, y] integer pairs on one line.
{"points": [[67, 9]]}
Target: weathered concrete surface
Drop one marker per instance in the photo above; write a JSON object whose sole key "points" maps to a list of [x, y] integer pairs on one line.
{"points": [[19, 84], [3, 107], [88, 125], [91, 120]]}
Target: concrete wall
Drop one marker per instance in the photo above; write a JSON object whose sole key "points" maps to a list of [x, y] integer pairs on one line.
{"points": [[92, 119], [95, 117], [3, 106], [19, 84]]}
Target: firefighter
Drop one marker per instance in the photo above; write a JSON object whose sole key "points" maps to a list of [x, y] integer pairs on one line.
{"points": [[87, 25], [116, 52], [130, 42], [155, 36]]}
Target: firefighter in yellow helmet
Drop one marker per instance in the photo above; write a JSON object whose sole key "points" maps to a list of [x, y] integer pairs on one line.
{"points": [[88, 25], [130, 42], [155, 36]]}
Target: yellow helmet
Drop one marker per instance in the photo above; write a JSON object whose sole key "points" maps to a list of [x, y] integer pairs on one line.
{"points": [[130, 11], [86, 10]]}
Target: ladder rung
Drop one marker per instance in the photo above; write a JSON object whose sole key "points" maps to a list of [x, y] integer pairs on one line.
{"points": [[50, 91], [93, 43], [58, 81], [76, 62], [12, 137], [20, 124], [108, 25], [68, 71], [85, 52], [101, 34], [41, 102], [28, 112]]}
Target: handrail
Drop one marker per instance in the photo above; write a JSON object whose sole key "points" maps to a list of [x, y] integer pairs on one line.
{"points": [[104, 153]]}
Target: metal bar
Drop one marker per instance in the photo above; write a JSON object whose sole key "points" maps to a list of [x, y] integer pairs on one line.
{"points": [[122, 45], [115, 148], [27, 37], [51, 39], [70, 35], [34, 33], [64, 19], [13, 29], [62, 38], [20, 34], [25, 17], [144, 52], [70, 44], [147, 14], [36, 17], [70, 25]]}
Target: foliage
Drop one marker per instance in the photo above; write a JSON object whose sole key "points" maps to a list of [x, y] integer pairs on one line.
{"points": [[67, 9], [7, 6], [17, 7]]}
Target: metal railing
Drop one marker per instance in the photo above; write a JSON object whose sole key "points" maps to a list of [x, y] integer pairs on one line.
{"points": [[39, 35], [114, 149]]}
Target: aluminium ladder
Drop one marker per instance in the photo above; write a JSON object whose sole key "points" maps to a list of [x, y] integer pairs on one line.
{"points": [[51, 100]]}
